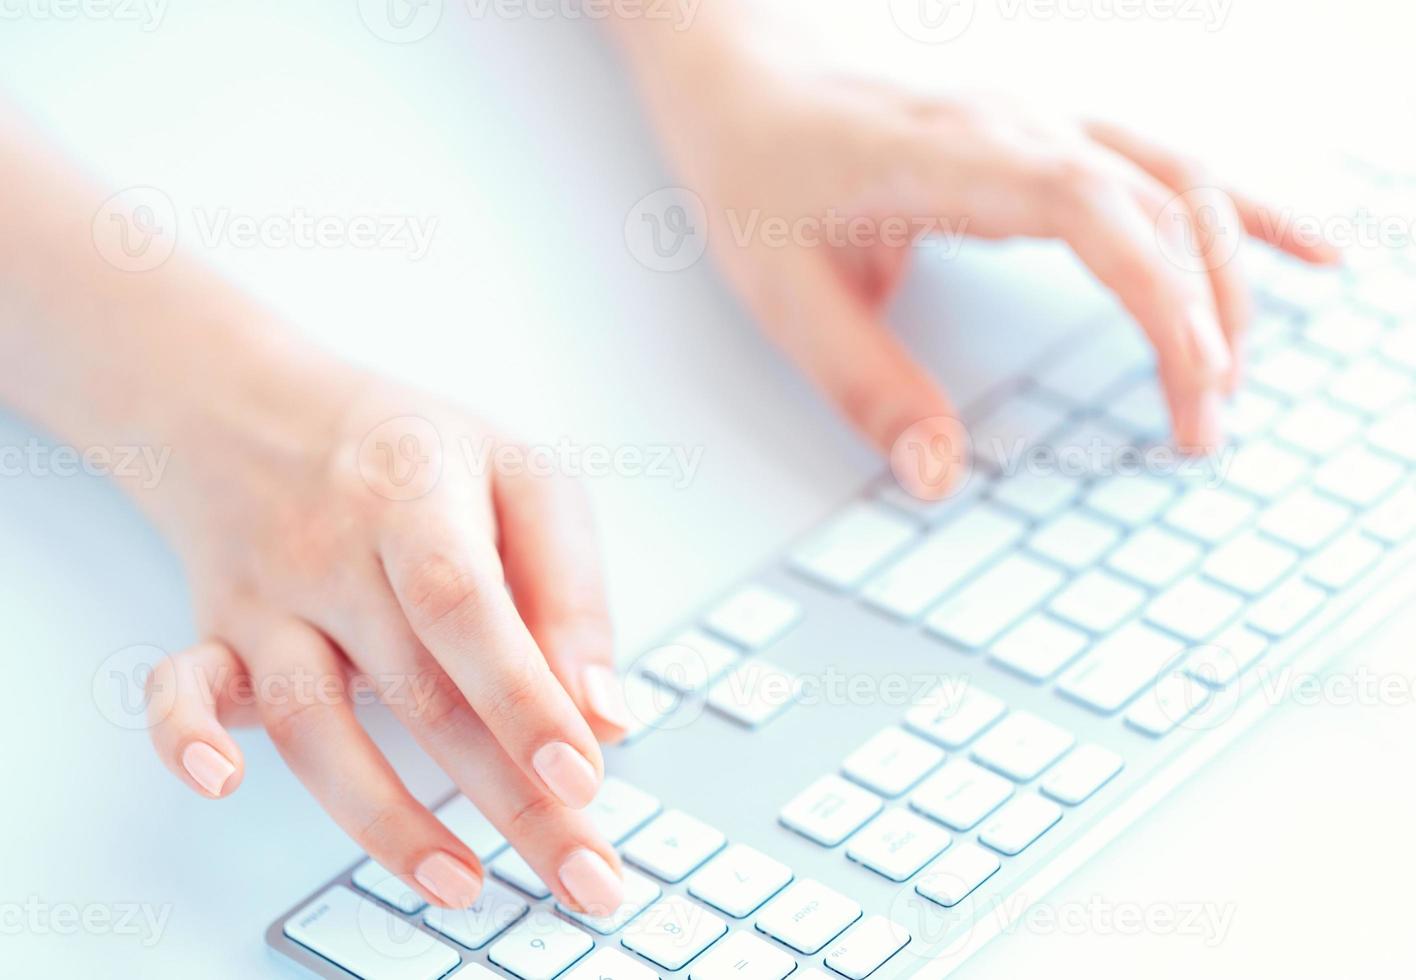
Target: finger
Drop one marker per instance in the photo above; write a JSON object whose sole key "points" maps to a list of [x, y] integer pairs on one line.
{"points": [[193, 689], [1260, 221], [1208, 234], [842, 345], [561, 845], [1120, 244], [304, 706], [552, 560], [448, 579]]}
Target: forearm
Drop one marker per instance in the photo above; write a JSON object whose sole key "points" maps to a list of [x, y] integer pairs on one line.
{"points": [[106, 356]]}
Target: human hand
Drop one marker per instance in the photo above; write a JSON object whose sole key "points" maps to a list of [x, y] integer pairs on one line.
{"points": [[338, 551], [857, 169]]}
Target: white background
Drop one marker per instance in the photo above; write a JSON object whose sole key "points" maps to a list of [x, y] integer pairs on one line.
{"points": [[524, 140]]}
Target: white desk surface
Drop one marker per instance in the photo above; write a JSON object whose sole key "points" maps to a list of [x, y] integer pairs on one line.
{"points": [[523, 139]]}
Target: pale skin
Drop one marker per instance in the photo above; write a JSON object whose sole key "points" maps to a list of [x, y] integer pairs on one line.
{"points": [[307, 560]]}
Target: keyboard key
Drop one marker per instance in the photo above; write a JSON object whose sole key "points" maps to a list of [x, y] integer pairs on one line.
{"points": [[1370, 387], [852, 544], [1286, 608], [738, 880], [1317, 429], [1395, 434], [1209, 514], [1358, 477], [1074, 540], [1119, 667], [673, 844], [1095, 364], [540, 948], [1154, 557], [1265, 469], [469, 826], [807, 916], [1096, 601], [754, 692], [496, 909], [384, 885], [608, 963], [1249, 563], [1140, 408], [954, 713], [954, 876], [932, 512], [754, 617], [1344, 560], [892, 761], [1305, 520], [1344, 332], [1392, 521], [512, 868], [1130, 500], [619, 809], [1085, 770], [830, 810], [1291, 372], [1004, 435], [897, 843], [367, 940], [1194, 609], [648, 704], [673, 931], [866, 947], [1249, 413], [1220, 663], [945, 558], [961, 794], [1019, 822], [1022, 745], [1039, 647], [690, 662], [1399, 346], [743, 956], [1173, 699], [639, 893], [1036, 495], [974, 615]]}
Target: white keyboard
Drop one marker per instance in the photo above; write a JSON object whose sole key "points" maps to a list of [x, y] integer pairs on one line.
{"points": [[1014, 663]]}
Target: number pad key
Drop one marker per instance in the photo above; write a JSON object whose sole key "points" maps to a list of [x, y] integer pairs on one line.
{"points": [[807, 916], [673, 845], [739, 880], [673, 931], [743, 956], [830, 810], [540, 948]]}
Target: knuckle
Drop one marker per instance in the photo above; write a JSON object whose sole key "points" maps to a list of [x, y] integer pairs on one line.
{"points": [[1070, 182], [379, 833], [516, 698], [438, 586], [443, 711], [530, 819], [289, 717], [1182, 173]]}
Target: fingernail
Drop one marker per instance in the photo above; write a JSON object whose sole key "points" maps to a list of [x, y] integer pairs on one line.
{"points": [[567, 774], [207, 766], [1209, 348], [1201, 428], [448, 880], [605, 694], [592, 883]]}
